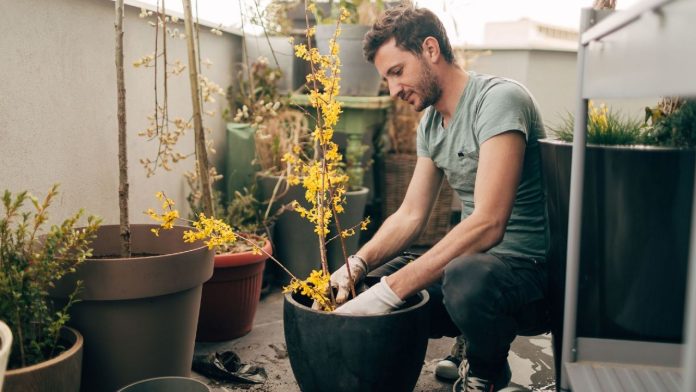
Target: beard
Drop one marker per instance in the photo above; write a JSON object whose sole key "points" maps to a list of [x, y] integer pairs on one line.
{"points": [[428, 87]]}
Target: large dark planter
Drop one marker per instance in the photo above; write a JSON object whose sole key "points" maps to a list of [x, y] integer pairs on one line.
{"points": [[58, 374], [635, 237], [230, 297], [138, 315], [333, 352]]}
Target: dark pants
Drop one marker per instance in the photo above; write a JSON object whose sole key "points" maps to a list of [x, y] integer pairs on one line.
{"points": [[489, 300]]}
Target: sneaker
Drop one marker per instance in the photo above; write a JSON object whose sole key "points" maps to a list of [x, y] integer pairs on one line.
{"points": [[448, 368], [469, 382]]}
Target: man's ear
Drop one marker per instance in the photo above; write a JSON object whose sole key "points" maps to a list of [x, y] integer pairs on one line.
{"points": [[431, 49]]}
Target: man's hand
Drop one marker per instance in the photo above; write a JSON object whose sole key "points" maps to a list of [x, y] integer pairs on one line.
{"points": [[340, 279], [379, 299]]}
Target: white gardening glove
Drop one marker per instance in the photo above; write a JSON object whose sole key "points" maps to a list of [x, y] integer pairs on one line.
{"points": [[379, 299], [340, 279]]}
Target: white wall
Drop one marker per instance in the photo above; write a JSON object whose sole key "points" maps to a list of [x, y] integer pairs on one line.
{"points": [[58, 104], [550, 75]]}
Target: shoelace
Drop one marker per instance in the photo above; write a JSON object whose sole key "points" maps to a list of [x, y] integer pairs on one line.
{"points": [[478, 384], [459, 348]]}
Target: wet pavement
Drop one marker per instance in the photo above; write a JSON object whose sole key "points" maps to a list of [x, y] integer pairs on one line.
{"points": [[530, 359]]}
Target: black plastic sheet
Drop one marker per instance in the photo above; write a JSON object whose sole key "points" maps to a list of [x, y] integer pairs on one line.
{"points": [[227, 367]]}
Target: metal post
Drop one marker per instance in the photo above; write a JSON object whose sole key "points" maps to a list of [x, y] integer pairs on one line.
{"points": [[577, 172]]}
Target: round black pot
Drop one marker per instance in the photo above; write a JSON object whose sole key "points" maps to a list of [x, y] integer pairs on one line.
{"points": [[332, 352]]}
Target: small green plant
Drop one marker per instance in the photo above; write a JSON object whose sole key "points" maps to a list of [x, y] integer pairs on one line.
{"points": [[676, 128], [604, 126], [255, 98], [359, 11], [31, 261]]}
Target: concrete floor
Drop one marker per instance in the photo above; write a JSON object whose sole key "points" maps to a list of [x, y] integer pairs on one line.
{"points": [[530, 358]]}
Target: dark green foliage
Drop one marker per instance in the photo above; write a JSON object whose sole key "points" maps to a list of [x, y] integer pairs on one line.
{"points": [[675, 130], [31, 261]]}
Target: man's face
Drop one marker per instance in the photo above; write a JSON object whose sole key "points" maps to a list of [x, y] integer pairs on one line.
{"points": [[409, 77]]}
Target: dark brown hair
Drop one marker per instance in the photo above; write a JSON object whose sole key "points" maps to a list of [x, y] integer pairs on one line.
{"points": [[410, 27]]}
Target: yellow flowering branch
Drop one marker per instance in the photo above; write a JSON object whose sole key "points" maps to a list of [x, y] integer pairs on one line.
{"points": [[321, 176], [213, 232]]}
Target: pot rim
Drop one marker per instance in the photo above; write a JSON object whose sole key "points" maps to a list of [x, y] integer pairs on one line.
{"points": [[152, 257], [628, 147], [164, 378], [425, 297], [77, 346], [230, 259], [5, 339]]}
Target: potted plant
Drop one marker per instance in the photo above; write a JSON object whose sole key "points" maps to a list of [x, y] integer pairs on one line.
{"points": [[230, 298], [636, 218], [141, 298], [255, 101], [275, 42], [360, 78], [322, 360], [45, 355]]}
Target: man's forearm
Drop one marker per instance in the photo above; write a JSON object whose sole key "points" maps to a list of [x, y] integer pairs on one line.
{"points": [[396, 233]]}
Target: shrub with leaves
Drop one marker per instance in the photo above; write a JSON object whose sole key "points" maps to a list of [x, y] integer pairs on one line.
{"points": [[674, 129], [32, 259]]}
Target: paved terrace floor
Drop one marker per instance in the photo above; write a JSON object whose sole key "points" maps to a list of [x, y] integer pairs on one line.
{"points": [[530, 358]]}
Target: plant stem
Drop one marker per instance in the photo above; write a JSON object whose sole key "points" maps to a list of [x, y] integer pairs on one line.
{"points": [[124, 228], [270, 256], [199, 135]]}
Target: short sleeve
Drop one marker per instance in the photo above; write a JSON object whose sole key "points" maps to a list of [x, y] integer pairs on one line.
{"points": [[504, 107], [422, 136]]}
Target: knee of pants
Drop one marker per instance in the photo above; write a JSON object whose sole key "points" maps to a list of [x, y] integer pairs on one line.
{"points": [[469, 288]]}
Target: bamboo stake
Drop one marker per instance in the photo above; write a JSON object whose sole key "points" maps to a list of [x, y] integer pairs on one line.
{"points": [[199, 135], [124, 228]]}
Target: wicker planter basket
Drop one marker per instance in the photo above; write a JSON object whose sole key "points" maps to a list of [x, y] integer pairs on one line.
{"points": [[398, 171]]}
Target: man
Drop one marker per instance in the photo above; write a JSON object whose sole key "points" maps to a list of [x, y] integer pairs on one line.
{"points": [[487, 276]]}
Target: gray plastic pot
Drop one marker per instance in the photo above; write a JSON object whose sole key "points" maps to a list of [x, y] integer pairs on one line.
{"points": [[167, 384], [138, 315]]}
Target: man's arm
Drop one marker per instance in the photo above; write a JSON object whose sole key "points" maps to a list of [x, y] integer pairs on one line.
{"points": [[406, 224], [500, 165]]}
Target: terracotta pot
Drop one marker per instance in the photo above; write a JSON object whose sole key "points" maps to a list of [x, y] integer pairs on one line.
{"points": [[138, 315], [230, 297], [334, 352], [59, 374]]}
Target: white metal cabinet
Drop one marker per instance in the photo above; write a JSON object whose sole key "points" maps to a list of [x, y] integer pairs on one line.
{"points": [[646, 51]]}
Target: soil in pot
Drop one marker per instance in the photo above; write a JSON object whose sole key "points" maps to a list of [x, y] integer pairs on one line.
{"points": [[333, 352]]}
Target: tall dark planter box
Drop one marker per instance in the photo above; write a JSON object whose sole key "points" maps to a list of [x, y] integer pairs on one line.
{"points": [[635, 237]]}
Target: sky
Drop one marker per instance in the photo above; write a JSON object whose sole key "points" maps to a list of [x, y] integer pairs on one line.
{"points": [[463, 19]]}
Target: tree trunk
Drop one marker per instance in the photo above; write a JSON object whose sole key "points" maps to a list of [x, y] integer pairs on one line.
{"points": [[199, 135], [122, 152]]}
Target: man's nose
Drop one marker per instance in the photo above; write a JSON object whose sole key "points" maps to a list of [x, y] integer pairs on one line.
{"points": [[395, 89]]}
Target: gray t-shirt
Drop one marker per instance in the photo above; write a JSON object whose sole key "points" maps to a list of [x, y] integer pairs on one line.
{"points": [[490, 106]]}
